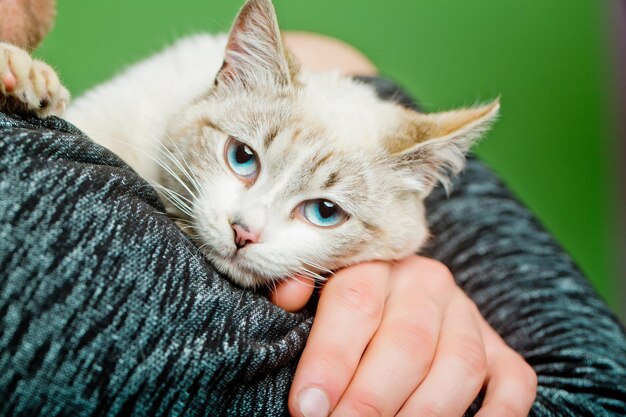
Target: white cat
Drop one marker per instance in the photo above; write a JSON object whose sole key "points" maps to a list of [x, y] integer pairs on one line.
{"points": [[276, 170]]}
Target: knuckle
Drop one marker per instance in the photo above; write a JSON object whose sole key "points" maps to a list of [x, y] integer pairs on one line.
{"points": [[471, 305], [526, 374], [506, 409], [367, 404], [334, 360], [361, 298], [440, 275], [430, 409], [431, 311], [472, 357], [439, 267], [411, 337], [530, 377]]}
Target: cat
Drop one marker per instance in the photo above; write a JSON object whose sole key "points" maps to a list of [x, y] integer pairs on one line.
{"points": [[274, 170]]}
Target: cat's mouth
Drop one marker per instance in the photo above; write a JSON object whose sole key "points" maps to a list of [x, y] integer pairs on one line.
{"points": [[241, 270], [254, 273], [250, 267]]}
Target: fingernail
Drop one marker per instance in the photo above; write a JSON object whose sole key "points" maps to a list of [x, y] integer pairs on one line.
{"points": [[312, 402]]}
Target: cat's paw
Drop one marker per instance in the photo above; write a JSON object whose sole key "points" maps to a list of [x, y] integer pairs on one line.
{"points": [[27, 84]]}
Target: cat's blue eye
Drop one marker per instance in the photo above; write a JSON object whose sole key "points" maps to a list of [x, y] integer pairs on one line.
{"points": [[323, 213], [242, 160]]}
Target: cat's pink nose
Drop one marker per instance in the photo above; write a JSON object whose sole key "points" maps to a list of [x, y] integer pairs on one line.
{"points": [[244, 235]]}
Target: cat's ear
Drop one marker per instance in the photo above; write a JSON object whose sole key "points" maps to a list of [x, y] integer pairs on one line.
{"points": [[433, 146], [255, 52]]}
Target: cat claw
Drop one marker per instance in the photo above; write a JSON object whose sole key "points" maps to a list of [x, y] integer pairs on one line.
{"points": [[27, 84]]}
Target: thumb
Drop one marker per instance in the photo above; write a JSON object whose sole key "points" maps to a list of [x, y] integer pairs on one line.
{"points": [[293, 293]]}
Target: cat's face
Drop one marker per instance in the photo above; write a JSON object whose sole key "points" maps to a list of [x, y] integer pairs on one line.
{"points": [[292, 173]]}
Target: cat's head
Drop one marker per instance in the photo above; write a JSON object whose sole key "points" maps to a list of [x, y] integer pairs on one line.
{"points": [[289, 171]]}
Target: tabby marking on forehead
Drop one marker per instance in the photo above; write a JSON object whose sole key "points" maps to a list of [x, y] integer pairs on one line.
{"points": [[295, 136], [332, 180], [204, 121], [271, 135], [302, 176], [192, 129], [306, 133], [319, 161]]}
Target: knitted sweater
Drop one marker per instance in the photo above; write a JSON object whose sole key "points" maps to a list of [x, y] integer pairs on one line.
{"points": [[108, 309]]}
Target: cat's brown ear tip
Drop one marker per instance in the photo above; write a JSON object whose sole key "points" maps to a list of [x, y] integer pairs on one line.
{"points": [[491, 109], [262, 4], [496, 103], [264, 9]]}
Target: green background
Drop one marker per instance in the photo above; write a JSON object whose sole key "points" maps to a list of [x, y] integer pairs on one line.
{"points": [[553, 145]]}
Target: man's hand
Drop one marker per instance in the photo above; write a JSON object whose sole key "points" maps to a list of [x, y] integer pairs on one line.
{"points": [[403, 339]]}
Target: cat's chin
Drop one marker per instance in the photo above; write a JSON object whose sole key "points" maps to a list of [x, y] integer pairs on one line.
{"points": [[240, 274]]}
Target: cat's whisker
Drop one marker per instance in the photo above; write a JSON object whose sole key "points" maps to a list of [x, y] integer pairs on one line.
{"points": [[302, 282], [199, 237], [202, 247], [167, 168], [316, 265], [180, 196], [197, 183], [317, 278], [187, 227], [176, 199], [159, 187], [312, 274], [273, 284], [193, 227], [179, 205], [187, 172], [320, 267], [177, 178], [188, 222], [305, 271]]}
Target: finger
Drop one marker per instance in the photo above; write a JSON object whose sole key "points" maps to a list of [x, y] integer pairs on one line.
{"points": [[401, 352], [511, 382], [459, 367], [293, 293], [348, 314]]}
